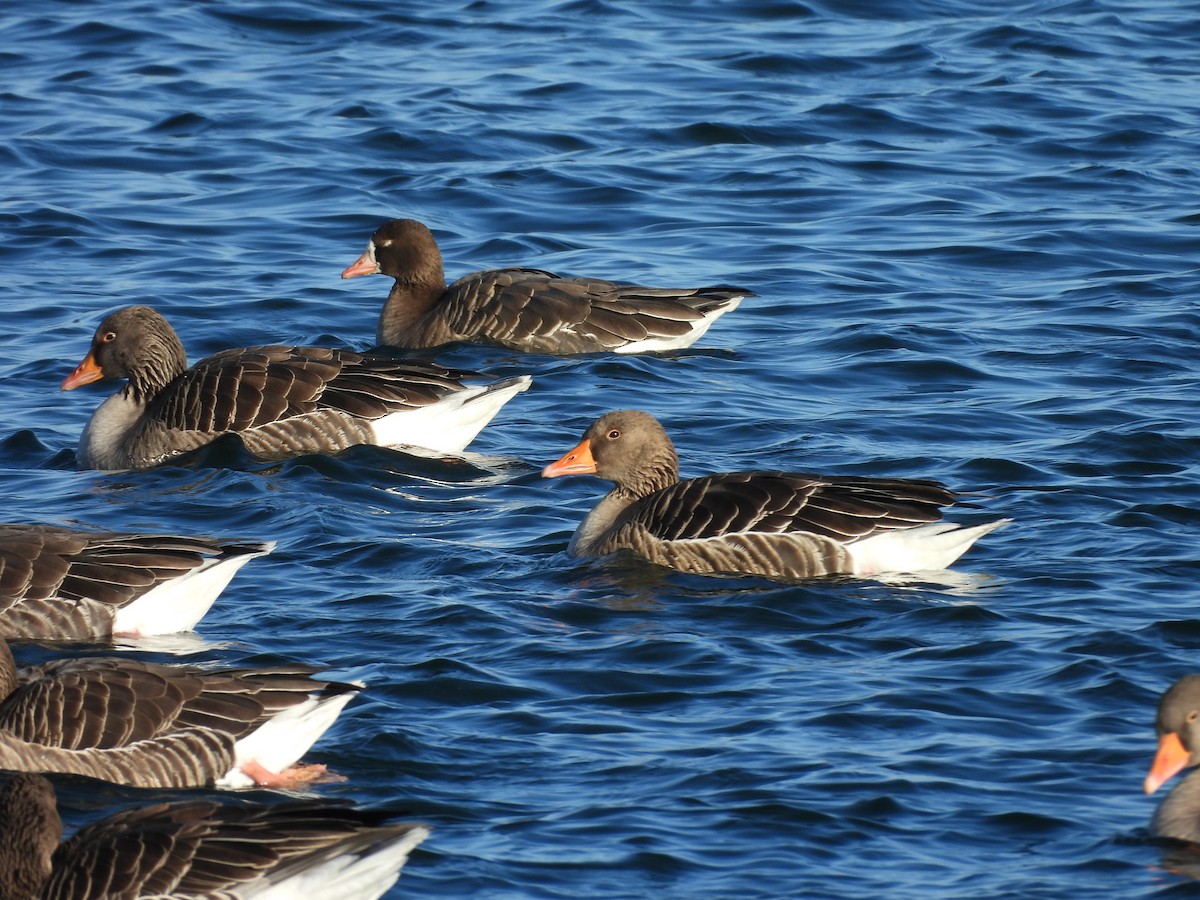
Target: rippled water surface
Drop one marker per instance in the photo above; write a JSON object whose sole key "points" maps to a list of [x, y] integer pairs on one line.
{"points": [[973, 230]]}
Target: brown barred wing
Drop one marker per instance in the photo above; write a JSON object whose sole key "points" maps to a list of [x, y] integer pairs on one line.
{"points": [[238, 390], [83, 703], [838, 507], [523, 307]]}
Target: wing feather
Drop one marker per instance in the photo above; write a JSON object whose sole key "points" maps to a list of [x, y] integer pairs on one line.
{"points": [[845, 508]]}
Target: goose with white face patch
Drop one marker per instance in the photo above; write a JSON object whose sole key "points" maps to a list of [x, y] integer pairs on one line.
{"points": [[528, 309]]}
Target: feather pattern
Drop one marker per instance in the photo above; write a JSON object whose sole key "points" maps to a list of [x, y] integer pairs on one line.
{"points": [[186, 758], [786, 525], [82, 707], [281, 401], [528, 309], [199, 848], [64, 584]]}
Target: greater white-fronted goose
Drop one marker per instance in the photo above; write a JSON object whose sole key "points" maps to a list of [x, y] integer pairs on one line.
{"points": [[784, 525], [60, 584], [528, 309], [151, 725], [199, 848], [281, 401], [1178, 729]]}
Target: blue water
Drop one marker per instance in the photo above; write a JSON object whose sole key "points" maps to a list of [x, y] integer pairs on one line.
{"points": [[973, 230]]}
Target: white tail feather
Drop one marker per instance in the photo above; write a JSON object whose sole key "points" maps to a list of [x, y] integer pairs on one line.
{"points": [[699, 327], [179, 603], [360, 873], [279, 742], [933, 546], [449, 425]]}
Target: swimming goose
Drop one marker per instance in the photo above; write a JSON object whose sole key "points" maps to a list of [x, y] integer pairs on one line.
{"points": [[784, 525], [199, 848], [152, 725], [59, 584], [281, 401], [527, 309], [1178, 728]]}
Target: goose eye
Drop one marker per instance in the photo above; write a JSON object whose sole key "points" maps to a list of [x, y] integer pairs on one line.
{"points": [[1191, 717], [108, 337], [614, 434]]}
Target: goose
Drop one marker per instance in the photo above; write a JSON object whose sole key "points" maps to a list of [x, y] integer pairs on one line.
{"points": [[63, 584], [781, 525], [152, 725], [281, 401], [527, 309], [199, 848], [1178, 727]]}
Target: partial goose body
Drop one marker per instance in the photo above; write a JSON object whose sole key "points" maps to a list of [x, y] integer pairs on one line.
{"points": [[783, 525], [528, 309], [281, 401], [1178, 727], [60, 584], [152, 725], [199, 848]]}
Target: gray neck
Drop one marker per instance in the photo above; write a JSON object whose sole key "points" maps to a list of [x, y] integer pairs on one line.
{"points": [[598, 521], [102, 444]]}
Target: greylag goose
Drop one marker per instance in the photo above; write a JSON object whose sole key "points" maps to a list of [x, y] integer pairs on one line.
{"points": [[199, 848], [784, 525], [151, 725], [281, 401], [59, 584], [527, 309], [1178, 729]]}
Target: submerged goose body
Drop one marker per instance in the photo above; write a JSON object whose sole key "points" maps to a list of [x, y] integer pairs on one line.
{"points": [[60, 584], [281, 401], [528, 309], [1178, 727], [783, 525], [199, 848], [151, 725]]}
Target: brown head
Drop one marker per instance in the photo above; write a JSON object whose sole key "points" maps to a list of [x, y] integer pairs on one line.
{"points": [[628, 447], [404, 249], [134, 342]]}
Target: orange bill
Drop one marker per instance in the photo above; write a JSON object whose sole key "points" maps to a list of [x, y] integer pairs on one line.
{"points": [[578, 462], [85, 373], [364, 265], [1170, 759]]}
